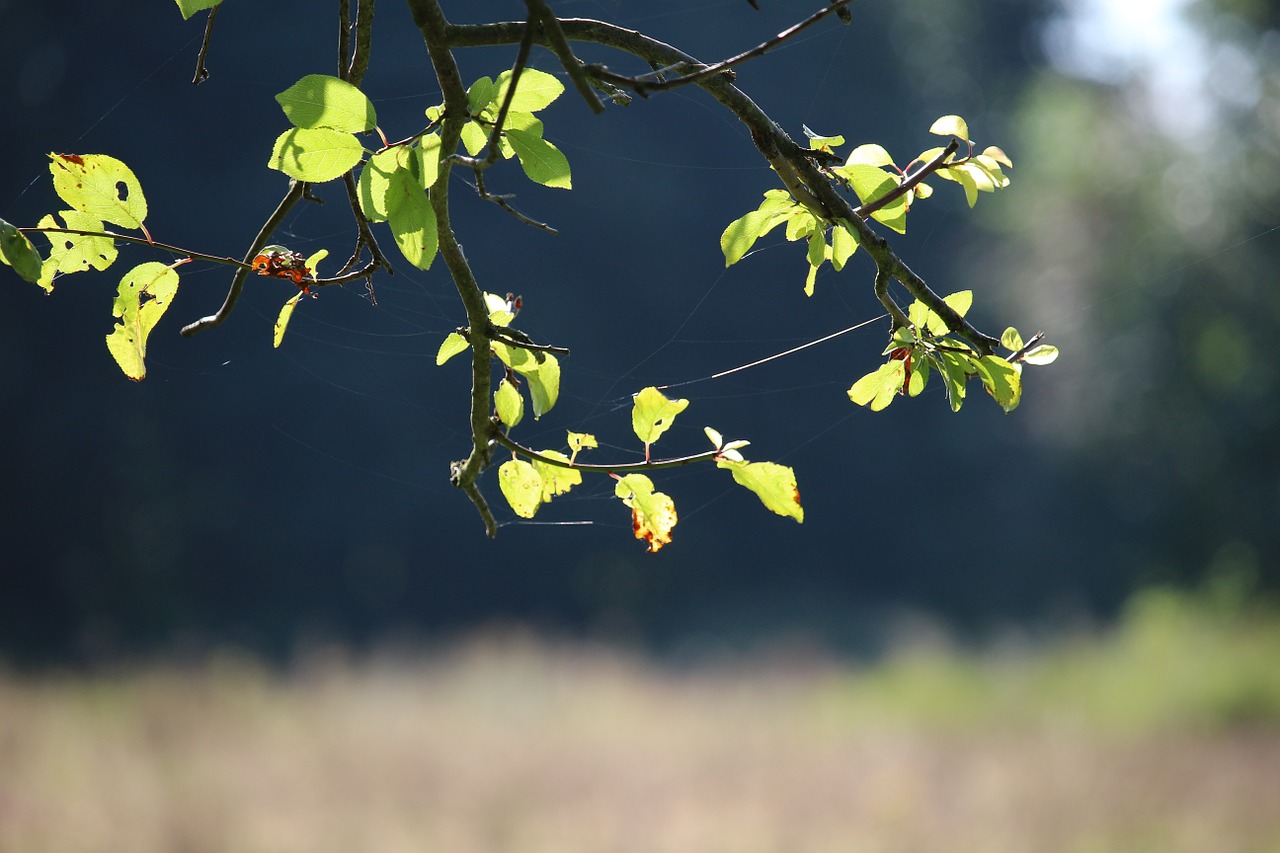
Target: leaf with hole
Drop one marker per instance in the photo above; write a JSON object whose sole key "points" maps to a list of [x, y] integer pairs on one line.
{"points": [[142, 298], [101, 186]]}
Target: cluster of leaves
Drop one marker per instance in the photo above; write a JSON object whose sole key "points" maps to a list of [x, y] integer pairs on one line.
{"points": [[926, 346], [100, 190], [868, 171], [529, 483]]}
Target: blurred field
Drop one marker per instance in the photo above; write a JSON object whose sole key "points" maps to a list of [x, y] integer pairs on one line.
{"points": [[1162, 736]]}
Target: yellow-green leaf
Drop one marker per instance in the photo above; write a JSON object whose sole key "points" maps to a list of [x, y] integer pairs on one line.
{"points": [[100, 186], [951, 126], [190, 7], [521, 486], [653, 514], [535, 91], [144, 294], [315, 154], [773, 484], [319, 100], [580, 441], [652, 414], [556, 479], [509, 404], [453, 344], [878, 388], [283, 318]]}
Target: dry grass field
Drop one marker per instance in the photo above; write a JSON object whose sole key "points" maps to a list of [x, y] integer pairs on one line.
{"points": [[1164, 736]]}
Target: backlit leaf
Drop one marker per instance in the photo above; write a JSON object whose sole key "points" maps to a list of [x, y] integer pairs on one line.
{"points": [[509, 404], [315, 154], [773, 484], [319, 100], [844, 242], [653, 514], [742, 233], [652, 414], [871, 183], [453, 344], [144, 294], [544, 383], [951, 126], [956, 368], [1011, 340], [1002, 381], [70, 253], [412, 220], [375, 179], [429, 159], [871, 154], [542, 162], [481, 94], [878, 388], [1043, 354], [521, 486], [190, 7], [282, 319], [580, 441], [556, 480], [535, 91], [17, 251], [100, 186]]}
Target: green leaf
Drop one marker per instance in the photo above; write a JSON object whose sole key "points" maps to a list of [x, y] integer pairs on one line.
{"points": [[517, 358], [743, 232], [144, 294], [429, 160], [1011, 340], [474, 137], [997, 154], [951, 126], [919, 377], [1043, 354], [375, 178], [543, 382], [482, 93], [541, 161], [652, 414], [956, 368], [810, 280], [870, 154], [535, 91], [714, 435], [499, 309], [1002, 381], [580, 441], [878, 388], [453, 344], [412, 219], [872, 183], [283, 318], [190, 7], [509, 404], [521, 486], [774, 484], [817, 249], [653, 514], [100, 186], [316, 154], [844, 242], [17, 251], [71, 253], [556, 480], [319, 100]]}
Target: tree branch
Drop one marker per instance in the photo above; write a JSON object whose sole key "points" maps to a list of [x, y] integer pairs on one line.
{"points": [[296, 190], [202, 73], [622, 468], [560, 46]]}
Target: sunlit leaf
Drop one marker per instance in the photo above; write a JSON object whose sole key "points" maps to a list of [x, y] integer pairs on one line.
{"points": [[773, 484], [652, 414], [315, 154], [653, 514], [190, 7], [997, 154], [1002, 381], [871, 183], [282, 319], [580, 441], [544, 384], [412, 220], [742, 233], [17, 251], [1043, 354], [100, 186], [1011, 340], [844, 242], [556, 479], [144, 294], [870, 154], [70, 253], [714, 435], [319, 100], [509, 404], [810, 280], [535, 91], [500, 313], [956, 369], [429, 160], [482, 93], [375, 179], [951, 126], [542, 162], [878, 388], [474, 137], [521, 486], [453, 344]]}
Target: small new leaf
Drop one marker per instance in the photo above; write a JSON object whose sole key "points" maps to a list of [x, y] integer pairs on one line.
{"points": [[951, 126], [1011, 340], [452, 345], [1043, 354], [144, 294]]}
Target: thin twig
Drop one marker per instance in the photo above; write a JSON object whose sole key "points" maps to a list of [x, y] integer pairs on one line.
{"points": [[621, 468], [141, 241], [517, 338], [503, 202], [910, 182], [296, 190], [362, 224], [560, 46], [202, 73], [517, 69]]}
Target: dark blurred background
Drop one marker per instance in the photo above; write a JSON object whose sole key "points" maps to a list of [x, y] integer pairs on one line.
{"points": [[271, 499]]}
